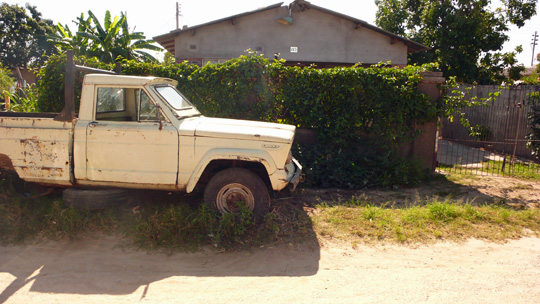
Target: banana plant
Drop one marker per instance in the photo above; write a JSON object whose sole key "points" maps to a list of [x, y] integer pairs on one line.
{"points": [[109, 42]]}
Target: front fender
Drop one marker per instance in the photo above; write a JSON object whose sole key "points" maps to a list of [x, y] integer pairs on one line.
{"points": [[258, 156]]}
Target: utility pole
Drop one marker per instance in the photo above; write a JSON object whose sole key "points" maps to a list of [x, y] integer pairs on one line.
{"points": [[178, 15], [533, 43]]}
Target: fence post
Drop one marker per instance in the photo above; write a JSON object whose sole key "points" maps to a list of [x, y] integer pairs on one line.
{"points": [[6, 102], [424, 146]]}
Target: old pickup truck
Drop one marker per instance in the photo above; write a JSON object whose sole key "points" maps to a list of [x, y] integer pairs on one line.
{"points": [[142, 133]]}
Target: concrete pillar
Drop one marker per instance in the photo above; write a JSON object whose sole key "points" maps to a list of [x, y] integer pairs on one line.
{"points": [[424, 146]]}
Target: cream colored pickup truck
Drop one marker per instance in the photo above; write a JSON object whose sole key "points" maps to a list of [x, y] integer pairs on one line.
{"points": [[142, 133]]}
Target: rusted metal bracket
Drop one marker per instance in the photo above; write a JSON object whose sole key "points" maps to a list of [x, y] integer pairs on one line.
{"points": [[68, 112]]}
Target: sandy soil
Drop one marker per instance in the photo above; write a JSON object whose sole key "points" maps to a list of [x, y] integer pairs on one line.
{"points": [[98, 270]]}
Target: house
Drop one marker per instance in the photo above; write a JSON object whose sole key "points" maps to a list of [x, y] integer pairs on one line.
{"points": [[23, 76], [301, 33]]}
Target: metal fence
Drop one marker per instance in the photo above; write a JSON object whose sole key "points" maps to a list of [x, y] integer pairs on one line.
{"points": [[495, 142]]}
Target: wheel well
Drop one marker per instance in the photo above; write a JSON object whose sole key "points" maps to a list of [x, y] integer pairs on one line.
{"points": [[5, 163], [216, 166]]}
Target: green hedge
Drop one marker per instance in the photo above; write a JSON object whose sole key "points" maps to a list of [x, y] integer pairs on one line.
{"points": [[359, 115]]}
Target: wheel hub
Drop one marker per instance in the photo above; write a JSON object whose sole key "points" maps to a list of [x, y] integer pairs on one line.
{"points": [[230, 198]]}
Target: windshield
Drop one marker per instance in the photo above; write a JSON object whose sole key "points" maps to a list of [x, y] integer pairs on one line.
{"points": [[173, 97]]}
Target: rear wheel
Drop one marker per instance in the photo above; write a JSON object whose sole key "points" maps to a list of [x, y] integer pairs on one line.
{"points": [[234, 186]]}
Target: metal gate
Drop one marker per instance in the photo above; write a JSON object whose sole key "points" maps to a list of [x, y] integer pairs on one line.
{"points": [[495, 142]]}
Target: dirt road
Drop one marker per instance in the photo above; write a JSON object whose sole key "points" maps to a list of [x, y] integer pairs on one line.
{"points": [[101, 271]]}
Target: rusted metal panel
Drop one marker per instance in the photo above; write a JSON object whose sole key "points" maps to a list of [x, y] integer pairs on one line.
{"points": [[38, 148]]}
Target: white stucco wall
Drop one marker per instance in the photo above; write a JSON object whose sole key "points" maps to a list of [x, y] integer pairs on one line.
{"points": [[318, 37]]}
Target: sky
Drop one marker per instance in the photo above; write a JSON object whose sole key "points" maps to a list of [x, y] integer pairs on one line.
{"points": [[158, 17]]}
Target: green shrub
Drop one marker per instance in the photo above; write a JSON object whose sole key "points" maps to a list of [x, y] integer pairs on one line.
{"points": [[24, 100], [6, 82]]}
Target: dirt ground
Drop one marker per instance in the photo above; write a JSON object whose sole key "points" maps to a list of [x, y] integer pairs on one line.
{"points": [[102, 269], [479, 190], [97, 270]]}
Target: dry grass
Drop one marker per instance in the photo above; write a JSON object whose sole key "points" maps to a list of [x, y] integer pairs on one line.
{"points": [[438, 220]]}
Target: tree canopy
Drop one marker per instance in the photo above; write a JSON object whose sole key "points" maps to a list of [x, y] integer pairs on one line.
{"points": [[23, 36], [108, 42], [465, 36]]}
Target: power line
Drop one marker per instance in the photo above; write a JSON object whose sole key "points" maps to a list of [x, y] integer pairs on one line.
{"points": [[178, 14], [533, 43]]}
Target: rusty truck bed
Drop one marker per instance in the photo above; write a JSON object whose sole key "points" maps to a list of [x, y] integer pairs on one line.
{"points": [[37, 147]]}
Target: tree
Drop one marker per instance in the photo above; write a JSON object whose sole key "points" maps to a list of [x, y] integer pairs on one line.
{"points": [[6, 82], [23, 36], [64, 40], [109, 42], [465, 36]]}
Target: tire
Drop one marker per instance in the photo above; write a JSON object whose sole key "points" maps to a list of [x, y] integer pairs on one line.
{"points": [[95, 199], [234, 185]]}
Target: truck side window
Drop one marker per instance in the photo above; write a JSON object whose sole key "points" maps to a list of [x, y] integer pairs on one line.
{"points": [[147, 110], [110, 100], [111, 104]]}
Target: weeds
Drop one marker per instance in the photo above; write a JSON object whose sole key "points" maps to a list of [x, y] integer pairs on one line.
{"points": [[173, 227], [177, 225], [439, 219], [22, 219], [159, 225]]}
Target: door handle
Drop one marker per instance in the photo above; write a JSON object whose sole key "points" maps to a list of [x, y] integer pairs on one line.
{"points": [[95, 123]]}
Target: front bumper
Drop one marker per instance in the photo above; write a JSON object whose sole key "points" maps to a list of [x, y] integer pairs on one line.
{"points": [[291, 175], [297, 176]]}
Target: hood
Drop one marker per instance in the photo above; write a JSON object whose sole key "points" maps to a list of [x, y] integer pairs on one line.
{"points": [[244, 129]]}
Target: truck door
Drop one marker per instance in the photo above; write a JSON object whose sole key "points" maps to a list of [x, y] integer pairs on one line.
{"points": [[128, 141]]}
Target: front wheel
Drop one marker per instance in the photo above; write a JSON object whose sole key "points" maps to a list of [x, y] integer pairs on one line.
{"points": [[230, 187]]}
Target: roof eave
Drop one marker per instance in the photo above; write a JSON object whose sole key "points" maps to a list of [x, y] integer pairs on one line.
{"points": [[412, 46], [173, 33]]}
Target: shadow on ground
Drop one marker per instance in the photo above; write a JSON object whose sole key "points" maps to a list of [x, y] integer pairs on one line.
{"points": [[99, 266]]}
